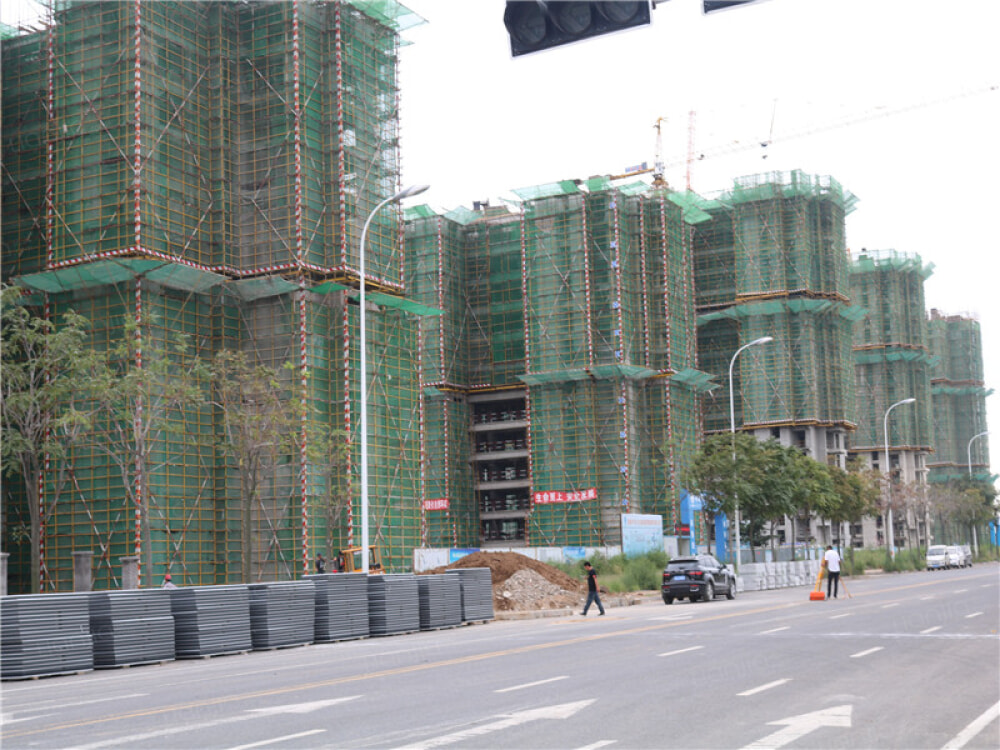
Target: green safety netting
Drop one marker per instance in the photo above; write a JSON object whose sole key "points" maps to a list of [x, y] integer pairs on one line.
{"points": [[463, 215], [872, 356], [329, 286], [696, 379], [782, 306], [397, 303], [549, 190], [259, 288], [119, 270], [389, 12], [691, 205], [890, 260], [419, 212], [596, 184], [971, 390], [601, 372]]}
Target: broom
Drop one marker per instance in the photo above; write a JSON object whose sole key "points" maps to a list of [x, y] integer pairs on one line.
{"points": [[816, 595]]}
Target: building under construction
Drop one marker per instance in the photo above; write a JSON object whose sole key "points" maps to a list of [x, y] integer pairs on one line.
{"points": [[567, 352], [206, 168], [958, 394]]}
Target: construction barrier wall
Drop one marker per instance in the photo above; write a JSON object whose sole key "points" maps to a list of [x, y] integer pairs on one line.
{"points": [[891, 357], [959, 396]]}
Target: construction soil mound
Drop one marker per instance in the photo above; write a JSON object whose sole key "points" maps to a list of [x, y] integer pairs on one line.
{"points": [[521, 583]]}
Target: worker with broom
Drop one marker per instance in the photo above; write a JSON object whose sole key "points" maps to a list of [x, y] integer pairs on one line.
{"points": [[831, 561]]}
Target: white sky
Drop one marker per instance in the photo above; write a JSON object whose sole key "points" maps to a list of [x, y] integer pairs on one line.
{"points": [[477, 123]]}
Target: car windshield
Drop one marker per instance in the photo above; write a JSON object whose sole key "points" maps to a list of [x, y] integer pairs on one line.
{"points": [[936, 551], [682, 565]]}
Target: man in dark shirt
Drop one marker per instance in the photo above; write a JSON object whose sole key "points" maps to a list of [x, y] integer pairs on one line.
{"points": [[593, 597]]}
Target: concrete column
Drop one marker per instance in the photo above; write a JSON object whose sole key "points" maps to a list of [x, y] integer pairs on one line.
{"points": [[130, 571], [83, 562], [3, 573]]}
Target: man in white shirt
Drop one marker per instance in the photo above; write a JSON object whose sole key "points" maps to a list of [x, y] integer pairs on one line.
{"points": [[831, 561]]}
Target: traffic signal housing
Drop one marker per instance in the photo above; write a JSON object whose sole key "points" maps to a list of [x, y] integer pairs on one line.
{"points": [[535, 25]]}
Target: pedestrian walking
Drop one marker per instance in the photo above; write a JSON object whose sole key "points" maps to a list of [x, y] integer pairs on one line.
{"points": [[320, 563], [831, 561], [593, 594], [167, 583]]}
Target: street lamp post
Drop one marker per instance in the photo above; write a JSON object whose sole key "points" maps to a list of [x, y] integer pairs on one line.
{"points": [[969, 449], [404, 193], [890, 535], [732, 431]]}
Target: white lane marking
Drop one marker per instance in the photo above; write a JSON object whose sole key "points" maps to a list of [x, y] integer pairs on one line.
{"points": [[838, 617], [681, 651], [975, 727], [930, 630], [273, 740], [762, 688], [6, 718], [672, 618], [600, 743], [532, 684], [974, 614], [799, 726], [774, 630], [926, 598], [959, 591], [562, 711], [865, 653], [893, 604], [300, 708], [137, 740], [60, 704]]}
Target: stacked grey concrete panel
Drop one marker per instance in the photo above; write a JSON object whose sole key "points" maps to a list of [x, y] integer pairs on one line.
{"points": [[211, 620], [131, 627], [393, 604], [341, 606], [477, 593], [282, 614], [45, 634], [440, 601]]}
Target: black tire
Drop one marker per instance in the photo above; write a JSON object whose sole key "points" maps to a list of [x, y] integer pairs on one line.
{"points": [[731, 591], [708, 594], [668, 599]]}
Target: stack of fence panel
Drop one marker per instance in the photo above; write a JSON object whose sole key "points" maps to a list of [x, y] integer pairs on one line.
{"points": [[45, 634], [211, 620], [341, 606], [440, 601], [282, 614], [131, 627], [393, 604], [477, 593]]}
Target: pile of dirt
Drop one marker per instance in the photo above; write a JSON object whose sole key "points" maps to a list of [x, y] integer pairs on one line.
{"points": [[521, 583]]}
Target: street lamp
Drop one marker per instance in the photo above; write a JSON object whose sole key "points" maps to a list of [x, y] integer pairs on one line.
{"points": [[890, 538], [732, 431], [969, 449], [404, 193]]}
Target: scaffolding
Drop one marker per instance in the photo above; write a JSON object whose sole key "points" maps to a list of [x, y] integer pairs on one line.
{"points": [[773, 262], [206, 168], [959, 399], [890, 353]]}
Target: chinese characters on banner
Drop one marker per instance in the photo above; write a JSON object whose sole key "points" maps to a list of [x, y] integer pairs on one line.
{"points": [[438, 503], [560, 496]]}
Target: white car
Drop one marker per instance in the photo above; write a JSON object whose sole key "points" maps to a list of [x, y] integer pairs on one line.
{"points": [[955, 557], [937, 557]]}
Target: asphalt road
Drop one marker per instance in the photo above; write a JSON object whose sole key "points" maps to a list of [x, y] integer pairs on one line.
{"points": [[908, 661]]}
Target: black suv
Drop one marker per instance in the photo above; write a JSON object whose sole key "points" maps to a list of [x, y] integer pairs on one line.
{"points": [[698, 577]]}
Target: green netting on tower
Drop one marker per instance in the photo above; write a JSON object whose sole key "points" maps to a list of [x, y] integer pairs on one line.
{"points": [[890, 287], [881, 382], [447, 496], [956, 342], [714, 250], [23, 180], [718, 339]]}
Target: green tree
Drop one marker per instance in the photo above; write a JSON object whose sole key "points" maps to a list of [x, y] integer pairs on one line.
{"points": [[142, 404], [856, 494], [48, 370]]}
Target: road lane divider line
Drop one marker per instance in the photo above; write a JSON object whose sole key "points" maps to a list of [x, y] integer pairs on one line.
{"points": [[930, 630], [762, 688], [275, 740], [866, 652], [977, 725], [774, 630], [840, 617], [890, 605], [682, 651], [532, 684], [974, 614]]}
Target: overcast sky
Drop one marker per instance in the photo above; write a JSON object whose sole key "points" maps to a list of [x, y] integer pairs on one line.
{"points": [[918, 81]]}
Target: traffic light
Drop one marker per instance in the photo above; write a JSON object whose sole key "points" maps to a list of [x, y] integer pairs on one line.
{"points": [[534, 25]]}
